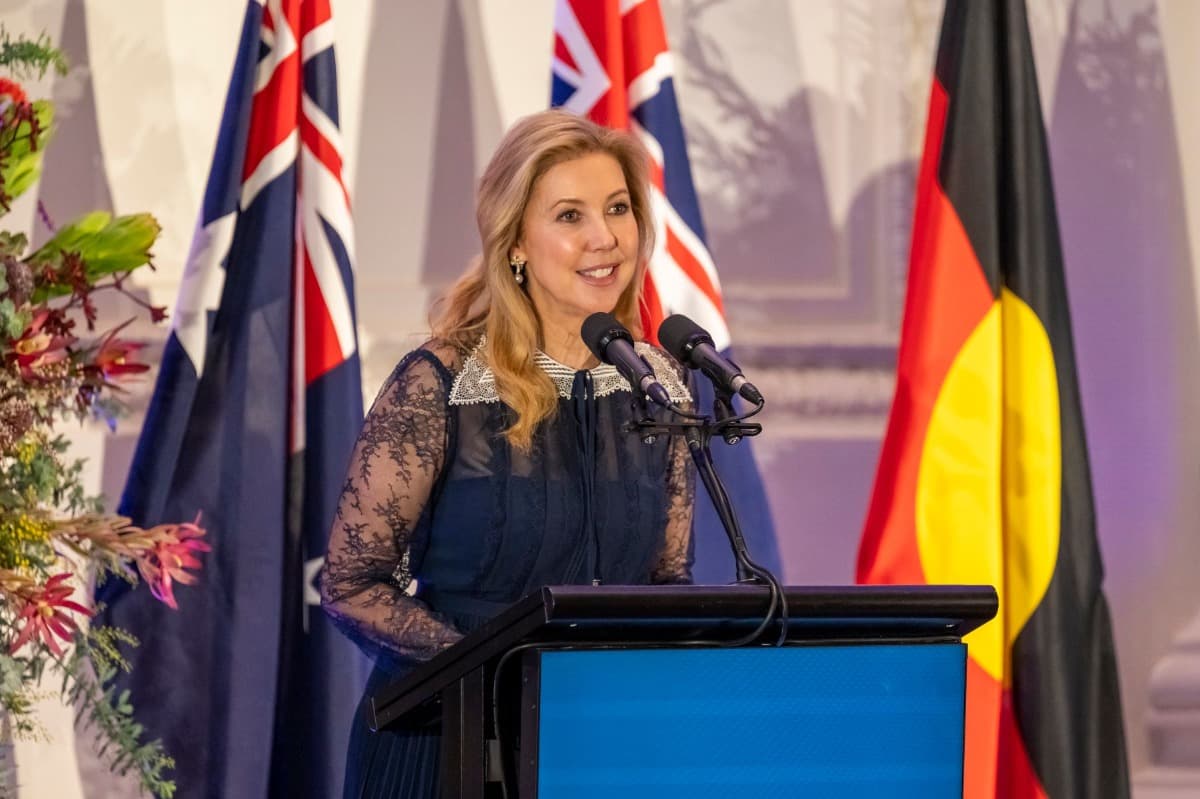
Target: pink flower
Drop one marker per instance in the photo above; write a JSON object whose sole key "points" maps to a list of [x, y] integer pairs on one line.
{"points": [[171, 554], [42, 617]]}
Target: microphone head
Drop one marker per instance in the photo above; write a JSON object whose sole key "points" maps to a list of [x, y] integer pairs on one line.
{"points": [[601, 329], [680, 335]]}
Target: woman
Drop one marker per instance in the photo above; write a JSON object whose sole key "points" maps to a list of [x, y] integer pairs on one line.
{"points": [[493, 461]]}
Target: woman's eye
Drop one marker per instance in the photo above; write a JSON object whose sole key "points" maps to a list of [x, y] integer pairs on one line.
{"points": [[570, 215], [619, 208]]}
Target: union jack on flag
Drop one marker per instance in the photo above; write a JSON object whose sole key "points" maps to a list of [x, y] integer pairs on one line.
{"points": [[611, 63], [254, 414]]}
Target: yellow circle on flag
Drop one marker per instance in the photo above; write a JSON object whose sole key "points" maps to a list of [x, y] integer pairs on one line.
{"points": [[988, 496]]}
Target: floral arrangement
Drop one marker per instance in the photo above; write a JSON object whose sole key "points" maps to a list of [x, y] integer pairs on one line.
{"points": [[52, 534]]}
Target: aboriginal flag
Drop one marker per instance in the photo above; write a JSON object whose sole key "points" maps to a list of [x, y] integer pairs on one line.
{"points": [[984, 476]]}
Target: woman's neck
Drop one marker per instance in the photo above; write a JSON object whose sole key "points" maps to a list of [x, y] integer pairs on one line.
{"points": [[566, 347]]}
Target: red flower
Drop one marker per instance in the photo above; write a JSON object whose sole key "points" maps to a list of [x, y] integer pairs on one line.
{"points": [[13, 91], [171, 554], [112, 356], [36, 349], [42, 617]]}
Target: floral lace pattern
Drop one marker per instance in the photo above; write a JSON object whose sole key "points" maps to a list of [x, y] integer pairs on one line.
{"points": [[675, 559], [394, 468]]}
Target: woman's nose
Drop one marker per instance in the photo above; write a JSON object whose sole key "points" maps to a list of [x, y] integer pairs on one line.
{"points": [[602, 236]]}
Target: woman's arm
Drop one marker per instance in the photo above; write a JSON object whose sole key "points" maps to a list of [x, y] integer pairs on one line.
{"points": [[396, 462], [677, 555], [678, 550]]}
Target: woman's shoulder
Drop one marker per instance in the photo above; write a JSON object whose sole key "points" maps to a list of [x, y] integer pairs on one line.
{"points": [[444, 353], [433, 364]]}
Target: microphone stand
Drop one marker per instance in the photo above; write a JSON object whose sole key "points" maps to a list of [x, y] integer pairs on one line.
{"points": [[698, 441], [698, 432], [724, 413], [646, 428]]}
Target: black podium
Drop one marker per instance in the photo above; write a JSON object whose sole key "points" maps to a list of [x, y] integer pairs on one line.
{"points": [[633, 691]]}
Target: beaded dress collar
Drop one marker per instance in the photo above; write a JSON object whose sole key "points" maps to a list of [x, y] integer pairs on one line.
{"points": [[475, 383]]}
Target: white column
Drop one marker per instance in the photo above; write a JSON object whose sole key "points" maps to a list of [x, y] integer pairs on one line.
{"points": [[1173, 722]]}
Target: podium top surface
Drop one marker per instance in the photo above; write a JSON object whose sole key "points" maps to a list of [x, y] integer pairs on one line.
{"points": [[649, 616]]}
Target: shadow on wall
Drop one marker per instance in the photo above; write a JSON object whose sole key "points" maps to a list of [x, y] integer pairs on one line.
{"points": [[74, 179], [770, 222], [820, 483], [416, 169], [769, 218], [1121, 207], [773, 213], [450, 234]]}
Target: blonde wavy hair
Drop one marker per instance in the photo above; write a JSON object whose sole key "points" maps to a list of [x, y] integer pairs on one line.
{"points": [[488, 301]]}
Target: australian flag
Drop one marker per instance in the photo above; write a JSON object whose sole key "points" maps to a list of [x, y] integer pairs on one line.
{"points": [[253, 417], [612, 64]]}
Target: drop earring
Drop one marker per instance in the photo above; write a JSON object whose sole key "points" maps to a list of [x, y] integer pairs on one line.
{"points": [[518, 268]]}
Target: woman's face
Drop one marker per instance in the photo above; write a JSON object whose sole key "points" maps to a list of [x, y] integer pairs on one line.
{"points": [[579, 241]]}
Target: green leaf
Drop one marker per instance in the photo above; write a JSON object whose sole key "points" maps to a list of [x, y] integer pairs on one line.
{"points": [[106, 245], [12, 243], [24, 162], [12, 321], [10, 675], [70, 237], [30, 57]]}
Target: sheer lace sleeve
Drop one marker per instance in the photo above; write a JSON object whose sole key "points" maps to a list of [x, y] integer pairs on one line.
{"points": [[395, 465], [677, 555]]}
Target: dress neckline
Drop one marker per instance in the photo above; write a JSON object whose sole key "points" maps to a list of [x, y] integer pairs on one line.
{"points": [[476, 383], [551, 365]]}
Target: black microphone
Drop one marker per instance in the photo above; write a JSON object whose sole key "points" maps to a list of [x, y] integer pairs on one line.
{"points": [[691, 345], [610, 342]]}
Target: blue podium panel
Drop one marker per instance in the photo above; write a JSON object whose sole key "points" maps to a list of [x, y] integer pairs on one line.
{"points": [[814, 721]]}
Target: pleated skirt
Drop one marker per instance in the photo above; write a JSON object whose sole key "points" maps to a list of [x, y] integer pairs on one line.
{"points": [[391, 764]]}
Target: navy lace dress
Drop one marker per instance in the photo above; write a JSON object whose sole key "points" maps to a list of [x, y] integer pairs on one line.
{"points": [[441, 523]]}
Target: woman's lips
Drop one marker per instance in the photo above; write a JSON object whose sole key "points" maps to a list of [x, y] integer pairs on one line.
{"points": [[603, 275]]}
